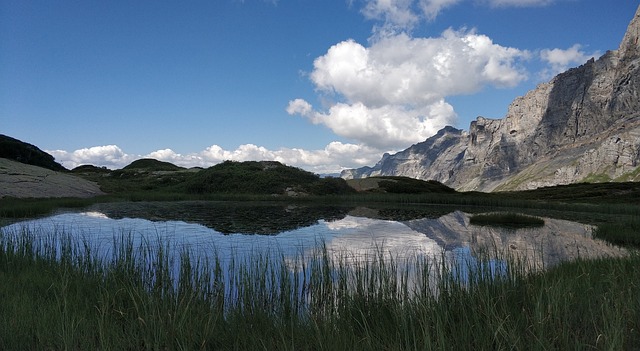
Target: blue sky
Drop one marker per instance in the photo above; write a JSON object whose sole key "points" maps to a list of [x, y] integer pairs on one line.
{"points": [[321, 85]]}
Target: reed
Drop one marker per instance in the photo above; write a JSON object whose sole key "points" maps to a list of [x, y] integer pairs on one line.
{"points": [[61, 293], [620, 231]]}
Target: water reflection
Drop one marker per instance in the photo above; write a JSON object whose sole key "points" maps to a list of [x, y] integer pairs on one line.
{"points": [[557, 241], [259, 218], [346, 233], [227, 217], [416, 243]]}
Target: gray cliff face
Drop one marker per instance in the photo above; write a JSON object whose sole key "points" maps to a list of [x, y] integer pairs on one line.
{"points": [[583, 125], [430, 159]]}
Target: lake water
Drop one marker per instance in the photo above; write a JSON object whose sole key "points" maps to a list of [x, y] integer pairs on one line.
{"points": [[243, 230]]}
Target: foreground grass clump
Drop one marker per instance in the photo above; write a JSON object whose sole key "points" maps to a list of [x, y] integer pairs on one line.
{"points": [[507, 219], [61, 294]]}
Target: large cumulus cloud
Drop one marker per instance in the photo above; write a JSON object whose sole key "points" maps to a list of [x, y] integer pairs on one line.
{"points": [[393, 92]]}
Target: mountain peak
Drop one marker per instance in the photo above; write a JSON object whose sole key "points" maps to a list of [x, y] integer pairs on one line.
{"points": [[582, 126], [630, 43]]}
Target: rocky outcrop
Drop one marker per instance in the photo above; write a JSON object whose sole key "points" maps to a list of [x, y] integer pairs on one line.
{"points": [[583, 125], [25, 181]]}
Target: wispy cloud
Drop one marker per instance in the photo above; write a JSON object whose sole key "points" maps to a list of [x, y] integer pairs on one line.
{"points": [[559, 60], [396, 16]]}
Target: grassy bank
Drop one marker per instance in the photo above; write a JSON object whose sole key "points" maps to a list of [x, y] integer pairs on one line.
{"points": [[58, 294]]}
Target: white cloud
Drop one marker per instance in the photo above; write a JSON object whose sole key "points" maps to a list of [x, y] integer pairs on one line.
{"points": [[402, 15], [110, 156], [398, 16], [392, 12], [519, 3], [392, 93], [299, 107], [332, 159], [386, 127], [431, 8], [559, 60]]}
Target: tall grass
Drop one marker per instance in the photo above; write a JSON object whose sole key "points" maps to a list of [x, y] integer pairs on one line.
{"points": [[60, 293], [620, 232]]}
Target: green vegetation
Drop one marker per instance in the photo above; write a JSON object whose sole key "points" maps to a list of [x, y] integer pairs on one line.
{"points": [[17, 150], [59, 295], [597, 178], [140, 181], [632, 176], [625, 232], [405, 185], [597, 193], [153, 165], [506, 219], [89, 169], [265, 177], [398, 185]]}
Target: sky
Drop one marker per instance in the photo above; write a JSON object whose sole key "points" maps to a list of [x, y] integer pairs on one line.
{"points": [[322, 85]]}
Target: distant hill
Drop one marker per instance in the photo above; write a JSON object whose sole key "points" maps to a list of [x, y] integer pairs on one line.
{"points": [[16, 150], [150, 164], [90, 169], [398, 185], [262, 177]]}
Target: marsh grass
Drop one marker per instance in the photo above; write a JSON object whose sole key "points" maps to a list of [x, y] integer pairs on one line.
{"points": [[59, 293], [506, 219], [620, 232]]}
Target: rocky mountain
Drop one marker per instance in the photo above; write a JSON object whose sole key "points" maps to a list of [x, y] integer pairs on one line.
{"points": [[583, 125]]}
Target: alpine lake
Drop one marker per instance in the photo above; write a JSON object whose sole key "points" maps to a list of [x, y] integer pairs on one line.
{"points": [[230, 232]]}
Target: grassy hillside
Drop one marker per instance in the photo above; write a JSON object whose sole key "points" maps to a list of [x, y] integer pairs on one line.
{"points": [[398, 185], [262, 177], [152, 164], [610, 192]]}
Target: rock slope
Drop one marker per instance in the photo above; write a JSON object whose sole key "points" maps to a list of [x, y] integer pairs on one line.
{"points": [[21, 180], [583, 125]]}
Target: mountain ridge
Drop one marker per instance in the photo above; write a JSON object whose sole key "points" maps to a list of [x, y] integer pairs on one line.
{"points": [[582, 125]]}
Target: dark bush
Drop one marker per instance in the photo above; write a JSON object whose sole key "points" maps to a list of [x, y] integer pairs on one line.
{"points": [[405, 185]]}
